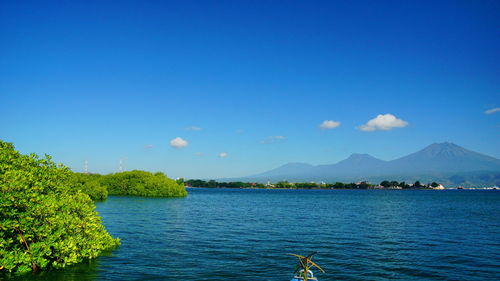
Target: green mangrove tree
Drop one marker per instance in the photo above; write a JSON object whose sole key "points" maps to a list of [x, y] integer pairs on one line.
{"points": [[142, 183], [44, 221]]}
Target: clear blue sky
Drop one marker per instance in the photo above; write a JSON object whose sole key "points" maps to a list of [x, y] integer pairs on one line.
{"points": [[108, 80]]}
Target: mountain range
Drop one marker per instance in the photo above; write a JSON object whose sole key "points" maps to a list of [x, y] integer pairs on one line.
{"points": [[446, 163]]}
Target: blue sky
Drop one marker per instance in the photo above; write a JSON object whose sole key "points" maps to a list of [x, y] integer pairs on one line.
{"points": [[108, 80]]}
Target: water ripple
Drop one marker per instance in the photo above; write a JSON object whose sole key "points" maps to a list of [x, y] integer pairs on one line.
{"points": [[246, 234]]}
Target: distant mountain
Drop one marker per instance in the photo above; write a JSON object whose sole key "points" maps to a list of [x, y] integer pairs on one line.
{"points": [[446, 163], [287, 170], [445, 157], [356, 165]]}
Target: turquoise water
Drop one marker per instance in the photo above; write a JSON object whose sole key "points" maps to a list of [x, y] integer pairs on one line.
{"points": [[227, 234]]}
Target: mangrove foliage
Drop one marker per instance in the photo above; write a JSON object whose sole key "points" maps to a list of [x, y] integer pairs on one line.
{"points": [[130, 183], [142, 183], [90, 184], [45, 222]]}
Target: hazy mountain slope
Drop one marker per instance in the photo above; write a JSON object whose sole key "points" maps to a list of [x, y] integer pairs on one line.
{"points": [[444, 162], [356, 164], [444, 158], [287, 170]]}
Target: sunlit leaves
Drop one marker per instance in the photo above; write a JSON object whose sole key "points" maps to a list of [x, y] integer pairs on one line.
{"points": [[141, 183], [45, 221]]}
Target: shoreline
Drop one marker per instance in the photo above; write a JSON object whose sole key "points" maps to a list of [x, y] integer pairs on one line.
{"points": [[316, 188]]}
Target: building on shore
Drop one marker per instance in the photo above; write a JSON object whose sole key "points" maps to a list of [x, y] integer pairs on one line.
{"points": [[439, 187]]}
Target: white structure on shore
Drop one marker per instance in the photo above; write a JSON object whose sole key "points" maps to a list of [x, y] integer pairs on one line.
{"points": [[439, 187]]}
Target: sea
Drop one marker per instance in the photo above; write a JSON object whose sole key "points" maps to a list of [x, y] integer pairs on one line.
{"points": [[248, 234]]}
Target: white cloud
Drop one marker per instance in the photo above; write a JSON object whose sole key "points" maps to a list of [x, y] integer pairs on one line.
{"points": [[384, 122], [240, 131], [492, 110], [329, 124], [178, 143], [193, 128], [223, 155], [148, 146], [199, 154], [272, 139]]}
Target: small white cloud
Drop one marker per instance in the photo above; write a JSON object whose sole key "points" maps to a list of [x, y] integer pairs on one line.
{"points": [[223, 155], [492, 110], [384, 122], [193, 128], [199, 154], [329, 124], [240, 131], [148, 146], [272, 139], [178, 143]]}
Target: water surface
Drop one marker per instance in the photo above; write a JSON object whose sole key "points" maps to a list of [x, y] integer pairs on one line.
{"points": [[235, 234]]}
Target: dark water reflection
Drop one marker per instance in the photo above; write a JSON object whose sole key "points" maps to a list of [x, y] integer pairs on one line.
{"points": [[224, 234]]}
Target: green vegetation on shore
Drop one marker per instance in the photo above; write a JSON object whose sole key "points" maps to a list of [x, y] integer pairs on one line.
{"points": [[141, 183], [90, 184], [129, 183], [45, 222], [47, 217], [310, 185]]}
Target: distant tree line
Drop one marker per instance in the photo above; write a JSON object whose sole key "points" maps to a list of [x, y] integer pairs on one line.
{"points": [[404, 185], [308, 185], [213, 183]]}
